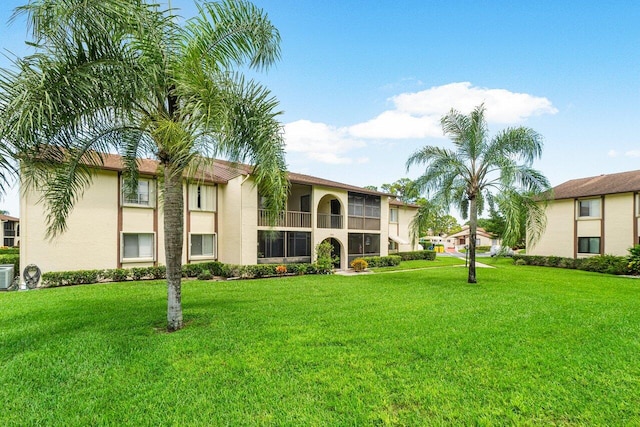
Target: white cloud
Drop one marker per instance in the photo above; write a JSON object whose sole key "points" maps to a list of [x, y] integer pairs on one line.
{"points": [[612, 153], [321, 142], [417, 114], [414, 115], [396, 124], [632, 153]]}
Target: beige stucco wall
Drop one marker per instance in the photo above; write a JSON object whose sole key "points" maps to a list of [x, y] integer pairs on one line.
{"points": [[230, 211], [618, 223], [558, 237], [401, 228], [90, 241]]}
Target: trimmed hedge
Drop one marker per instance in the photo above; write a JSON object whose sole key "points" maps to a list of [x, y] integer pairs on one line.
{"points": [[9, 251], [426, 254], [382, 261], [214, 268], [608, 264]]}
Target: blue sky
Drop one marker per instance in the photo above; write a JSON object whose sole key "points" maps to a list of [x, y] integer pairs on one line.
{"points": [[363, 84]]}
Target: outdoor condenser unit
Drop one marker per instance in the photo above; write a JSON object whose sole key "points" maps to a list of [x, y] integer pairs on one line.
{"points": [[6, 275]]}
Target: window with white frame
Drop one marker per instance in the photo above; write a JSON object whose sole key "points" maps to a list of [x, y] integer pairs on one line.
{"points": [[144, 195], [589, 245], [393, 215], [137, 246], [202, 197], [203, 245], [589, 208]]}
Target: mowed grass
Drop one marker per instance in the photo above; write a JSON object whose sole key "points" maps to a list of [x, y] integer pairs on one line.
{"points": [[527, 345]]}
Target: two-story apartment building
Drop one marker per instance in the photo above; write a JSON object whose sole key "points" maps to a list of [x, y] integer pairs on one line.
{"points": [[592, 216], [224, 221], [10, 231]]}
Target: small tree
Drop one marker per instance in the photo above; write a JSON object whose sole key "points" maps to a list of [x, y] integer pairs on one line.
{"points": [[325, 258]]}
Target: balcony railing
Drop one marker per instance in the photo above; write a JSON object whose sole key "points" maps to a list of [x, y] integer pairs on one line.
{"points": [[363, 223], [286, 219], [326, 220]]}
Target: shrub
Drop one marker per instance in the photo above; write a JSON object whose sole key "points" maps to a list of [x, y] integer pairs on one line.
{"points": [[205, 275], [359, 264], [383, 261], [608, 264], [520, 262], [281, 269], [324, 260], [116, 274], [426, 254], [633, 260]]}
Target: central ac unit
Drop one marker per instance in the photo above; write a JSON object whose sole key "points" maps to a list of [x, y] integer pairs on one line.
{"points": [[6, 275]]}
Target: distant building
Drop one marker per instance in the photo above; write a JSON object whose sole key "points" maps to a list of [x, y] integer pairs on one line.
{"points": [[224, 220], [461, 239], [592, 216], [10, 231]]}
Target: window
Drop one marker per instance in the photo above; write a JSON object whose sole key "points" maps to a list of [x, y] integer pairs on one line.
{"points": [[137, 245], [393, 215], [298, 244], [202, 197], [589, 208], [270, 244], [143, 196], [202, 245], [363, 244], [275, 244], [588, 245]]}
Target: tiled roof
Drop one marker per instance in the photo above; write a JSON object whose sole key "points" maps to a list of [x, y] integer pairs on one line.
{"points": [[395, 202], [8, 218], [465, 232], [623, 182], [221, 171]]}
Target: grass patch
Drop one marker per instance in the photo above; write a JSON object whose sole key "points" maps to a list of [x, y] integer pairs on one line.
{"points": [[440, 261], [528, 345]]}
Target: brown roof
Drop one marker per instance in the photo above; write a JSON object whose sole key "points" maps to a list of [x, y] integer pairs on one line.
{"points": [[396, 202], [221, 171], [623, 182], [8, 218]]}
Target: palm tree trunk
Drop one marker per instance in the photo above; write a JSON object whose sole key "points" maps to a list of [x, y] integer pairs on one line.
{"points": [[173, 237], [473, 227]]}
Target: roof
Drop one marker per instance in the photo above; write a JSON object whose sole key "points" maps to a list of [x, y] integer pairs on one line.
{"points": [[465, 232], [8, 218], [623, 182], [222, 171], [396, 202]]}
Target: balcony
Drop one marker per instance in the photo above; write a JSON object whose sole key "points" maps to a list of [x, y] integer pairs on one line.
{"points": [[326, 220], [294, 219], [363, 223]]}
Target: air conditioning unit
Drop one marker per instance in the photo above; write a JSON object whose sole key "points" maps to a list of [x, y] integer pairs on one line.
{"points": [[6, 275]]}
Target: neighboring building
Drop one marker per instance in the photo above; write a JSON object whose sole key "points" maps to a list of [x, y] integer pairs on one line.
{"points": [[400, 217], [224, 221], [10, 231], [592, 216], [461, 239]]}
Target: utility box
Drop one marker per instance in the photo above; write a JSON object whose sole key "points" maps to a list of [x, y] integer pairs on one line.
{"points": [[6, 276]]}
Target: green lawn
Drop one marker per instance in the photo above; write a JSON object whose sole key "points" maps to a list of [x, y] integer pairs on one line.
{"points": [[527, 345]]}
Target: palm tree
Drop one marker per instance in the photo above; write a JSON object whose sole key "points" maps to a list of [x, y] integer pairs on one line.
{"points": [[123, 75], [480, 167]]}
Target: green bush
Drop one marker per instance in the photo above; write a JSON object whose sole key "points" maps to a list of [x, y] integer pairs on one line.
{"points": [[426, 254], [9, 251], [520, 262], [324, 260], [383, 261], [205, 275], [633, 260], [116, 274], [608, 264]]}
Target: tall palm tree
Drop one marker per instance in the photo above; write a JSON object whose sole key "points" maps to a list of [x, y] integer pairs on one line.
{"points": [[124, 75], [479, 167]]}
